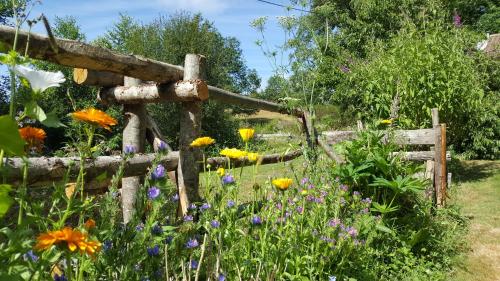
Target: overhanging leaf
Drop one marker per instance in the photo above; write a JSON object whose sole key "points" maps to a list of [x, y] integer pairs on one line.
{"points": [[33, 110], [5, 199], [10, 139], [52, 121]]}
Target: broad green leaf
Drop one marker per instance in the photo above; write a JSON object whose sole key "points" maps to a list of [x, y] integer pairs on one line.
{"points": [[5, 199], [10, 139], [102, 177], [33, 110], [383, 228], [52, 121]]}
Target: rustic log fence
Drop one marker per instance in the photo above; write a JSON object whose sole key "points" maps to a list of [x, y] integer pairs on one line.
{"points": [[134, 81]]}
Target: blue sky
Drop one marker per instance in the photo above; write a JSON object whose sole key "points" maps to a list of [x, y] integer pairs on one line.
{"points": [[231, 17]]}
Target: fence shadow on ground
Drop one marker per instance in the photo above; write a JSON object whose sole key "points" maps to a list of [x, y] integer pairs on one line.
{"points": [[472, 170]]}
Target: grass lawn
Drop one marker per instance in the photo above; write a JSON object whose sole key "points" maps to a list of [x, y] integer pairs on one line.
{"points": [[478, 192]]}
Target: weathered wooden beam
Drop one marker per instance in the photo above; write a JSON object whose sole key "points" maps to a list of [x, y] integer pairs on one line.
{"points": [[420, 155], [43, 170], [266, 159], [83, 76], [439, 165], [192, 90], [190, 129], [287, 136], [78, 54], [402, 137], [224, 96], [330, 152]]}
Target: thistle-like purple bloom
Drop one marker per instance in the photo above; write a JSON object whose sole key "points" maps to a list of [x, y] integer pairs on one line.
{"points": [[192, 243], [153, 192], [352, 231], [215, 224], [334, 222], [256, 220], [205, 206], [188, 218], [130, 149], [158, 173], [30, 256], [227, 179], [343, 187], [230, 203], [175, 198], [367, 200], [154, 251], [300, 210]]}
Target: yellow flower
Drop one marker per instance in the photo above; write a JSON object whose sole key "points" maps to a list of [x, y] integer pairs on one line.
{"points": [[74, 240], [386, 122], [221, 172], [202, 142], [33, 136], [304, 192], [95, 117], [90, 223], [70, 189], [233, 153], [246, 134], [253, 156], [282, 183]]}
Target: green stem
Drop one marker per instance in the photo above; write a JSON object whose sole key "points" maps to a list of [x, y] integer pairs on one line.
{"points": [[23, 192], [69, 270]]}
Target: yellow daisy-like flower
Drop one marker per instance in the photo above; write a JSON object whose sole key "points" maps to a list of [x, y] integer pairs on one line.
{"points": [[282, 183], [221, 172], [33, 136], [233, 153], [386, 122], [253, 156], [246, 134], [202, 142], [95, 117]]}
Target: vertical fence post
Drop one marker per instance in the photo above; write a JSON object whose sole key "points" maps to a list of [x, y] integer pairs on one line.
{"points": [[438, 162], [442, 159], [190, 128], [134, 134]]}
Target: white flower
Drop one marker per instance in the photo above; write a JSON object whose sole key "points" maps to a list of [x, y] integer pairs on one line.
{"points": [[40, 80]]}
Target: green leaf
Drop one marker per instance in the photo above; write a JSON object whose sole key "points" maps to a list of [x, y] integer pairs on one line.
{"points": [[5, 199], [33, 110], [102, 177], [383, 228], [10, 139], [52, 121]]}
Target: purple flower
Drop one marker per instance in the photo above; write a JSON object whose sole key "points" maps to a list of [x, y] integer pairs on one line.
{"points": [[192, 206], [256, 220], [222, 277], [323, 193], [193, 264], [230, 203], [156, 230], [158, 173], [215, 224], [327, 239], [343, 187], [319, 200], [300, 210], [332, 278], [188, 218], [365, 211], [352, 231], [227, 179], [205, 206], [310, 186], [169, 239], [175, 198], [61, 277], [140, 227], [153, 192], [310, 198], [31, 256], [304, 181], [192, 243], [334, 222], [107, 245], [367, 200], [130, 149], [155, 251], [356, 193], [344, 69], [162, 146], [279, 206], [457, 20]]}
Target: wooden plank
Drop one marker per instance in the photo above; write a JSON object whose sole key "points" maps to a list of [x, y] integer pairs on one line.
{"points": [[228, 97], [190, 129], [280, 136], [438, 164], [419, 155], [83, 76], [79, 54], [402, 137], [429, 174], [330, 152], [266, 159], [444, 173], [192, 90]]}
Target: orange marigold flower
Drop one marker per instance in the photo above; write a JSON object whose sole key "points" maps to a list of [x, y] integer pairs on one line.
{"points": [[91, 247], [246, 134], [95, 117], [73, 238], [282, 183], [202, 142], [33, 136], [90, 223], [45, 241]]}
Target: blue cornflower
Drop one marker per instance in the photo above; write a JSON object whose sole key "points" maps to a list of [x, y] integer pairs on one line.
{"points": [[129, 149], [256, 220], [215, 224], [153, 192], [192, 206], [30, 255], [222, 277], [230, 203], [158, 173], [140, 227], [156, 230], [175, 198], [192, 243], [193, 264], [188, 218], [155, 251], [169, 239], [162, 146], [205, 206], [227, 179]]}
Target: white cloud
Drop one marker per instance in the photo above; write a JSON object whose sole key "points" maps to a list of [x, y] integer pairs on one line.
{"points": [[203, 6]]}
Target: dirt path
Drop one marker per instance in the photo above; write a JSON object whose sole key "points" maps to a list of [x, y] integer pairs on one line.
{"points": [[478, 192]]}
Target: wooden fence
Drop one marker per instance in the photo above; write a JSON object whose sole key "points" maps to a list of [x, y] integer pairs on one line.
{"points": [[135, 81]]}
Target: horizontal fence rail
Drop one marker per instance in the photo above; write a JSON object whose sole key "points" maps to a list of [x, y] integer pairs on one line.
{"points": [[402, 137]]}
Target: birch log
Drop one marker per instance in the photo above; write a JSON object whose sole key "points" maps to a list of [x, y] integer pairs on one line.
{"points": [[83, 76], [190, 129], [78, 54], [134, 134]]}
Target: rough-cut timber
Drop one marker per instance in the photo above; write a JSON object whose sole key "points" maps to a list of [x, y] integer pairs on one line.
{"points": [[403, 137], [47, 170], [134, 134], [266, 159], [83, 76], [274, 136], [190, 129], [438, 168], [420, 155], [78, 54], [192, 90], [329, 151], [237, 99]]}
